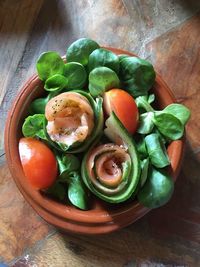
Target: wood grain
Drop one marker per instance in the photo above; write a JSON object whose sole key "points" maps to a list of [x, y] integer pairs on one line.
{"points": [[10, 27], [133, 246], [20, 227], [176, 56]]}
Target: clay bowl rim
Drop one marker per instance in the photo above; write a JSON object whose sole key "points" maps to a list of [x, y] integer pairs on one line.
{"points": [[61, 211]]}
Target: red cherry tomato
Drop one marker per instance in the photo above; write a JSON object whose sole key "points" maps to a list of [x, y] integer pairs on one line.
{"points": [[38, 162], [124, 106]]}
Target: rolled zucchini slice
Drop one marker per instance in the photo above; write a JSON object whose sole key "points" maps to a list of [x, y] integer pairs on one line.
{"points": [[76, 124], [111, 171]]}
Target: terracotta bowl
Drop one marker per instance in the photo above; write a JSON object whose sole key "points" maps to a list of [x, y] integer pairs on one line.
{"points": [[102, 218]]}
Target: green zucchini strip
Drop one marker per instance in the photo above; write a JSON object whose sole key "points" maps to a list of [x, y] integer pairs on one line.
{"points": [[111, 171]]}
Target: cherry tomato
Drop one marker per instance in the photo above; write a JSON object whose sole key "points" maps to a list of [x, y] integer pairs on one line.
{"points": [[124, 106], [38, 162]]}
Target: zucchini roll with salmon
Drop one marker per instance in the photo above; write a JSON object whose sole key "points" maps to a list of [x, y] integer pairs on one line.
{"points": [[70, 121], [111, 171]]}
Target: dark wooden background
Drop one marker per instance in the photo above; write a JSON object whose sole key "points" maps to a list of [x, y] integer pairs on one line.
{"points": [[168, 34]]}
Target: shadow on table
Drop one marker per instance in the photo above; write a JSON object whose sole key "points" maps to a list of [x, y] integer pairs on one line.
{"points": [[42, 14], [181, 216], [189, 4]]}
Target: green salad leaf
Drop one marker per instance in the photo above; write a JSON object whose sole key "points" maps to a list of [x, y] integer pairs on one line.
{"points": [[80, 50], [48, 64], [38, 106], [58, 191], [141, 146], [157, 190], [102, 79], [56, 82], [157, 151], [76, 75], [122, 56], [67, 163], [144, 171], [137, 75], [143, 102], [168, 125], [146, 123], [103, 58], [179, 111], [33, 126], [77, 192]]}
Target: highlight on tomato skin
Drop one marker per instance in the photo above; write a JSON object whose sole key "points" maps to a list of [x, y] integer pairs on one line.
{"points": [[38, 162], [124, 106]]}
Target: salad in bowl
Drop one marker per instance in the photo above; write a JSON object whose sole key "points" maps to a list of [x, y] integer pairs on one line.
{"points": [[98, 129]]}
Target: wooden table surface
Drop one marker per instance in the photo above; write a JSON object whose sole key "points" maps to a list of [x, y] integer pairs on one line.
{"points": [[168, 34]]}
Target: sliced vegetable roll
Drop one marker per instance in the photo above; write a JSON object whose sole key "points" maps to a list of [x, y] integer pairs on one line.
{"points": [[71, 117], [111, 171]]}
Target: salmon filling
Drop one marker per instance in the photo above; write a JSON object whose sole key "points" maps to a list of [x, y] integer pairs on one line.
{"points": [[70, 118], [105, 166]]}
